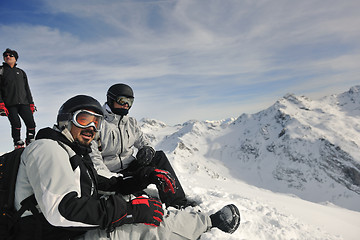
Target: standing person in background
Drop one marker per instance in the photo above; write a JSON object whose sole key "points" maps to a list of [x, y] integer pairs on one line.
{"points": [[120, 134], [16, 100]]}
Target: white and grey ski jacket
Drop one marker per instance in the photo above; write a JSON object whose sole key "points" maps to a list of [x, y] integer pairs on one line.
{"points": [[66, 185], [118, 137]]}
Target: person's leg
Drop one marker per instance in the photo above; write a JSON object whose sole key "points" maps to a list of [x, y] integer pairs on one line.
{"points": [[175, 200], [30, 228], [177, 225], [15, 123], [28, 118]]}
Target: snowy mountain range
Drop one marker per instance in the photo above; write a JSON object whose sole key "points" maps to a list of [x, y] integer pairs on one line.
{"points": [[307, 149]]}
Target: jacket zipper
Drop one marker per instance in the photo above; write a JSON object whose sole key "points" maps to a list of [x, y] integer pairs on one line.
{"points": [[121, 144]]}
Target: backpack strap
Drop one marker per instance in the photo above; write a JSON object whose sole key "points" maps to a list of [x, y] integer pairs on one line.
{"points": [[28, 203]]}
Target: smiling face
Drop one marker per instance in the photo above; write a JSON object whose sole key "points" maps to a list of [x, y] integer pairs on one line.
{"points": [[83, 135]]}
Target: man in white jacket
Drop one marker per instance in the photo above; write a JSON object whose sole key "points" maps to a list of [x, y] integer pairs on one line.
{"points": [[57, 169], [120, 134]]}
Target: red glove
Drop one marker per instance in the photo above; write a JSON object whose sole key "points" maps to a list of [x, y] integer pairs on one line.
{"points": [[33, 108], [3, 110], [164, 178], [145, 210]]}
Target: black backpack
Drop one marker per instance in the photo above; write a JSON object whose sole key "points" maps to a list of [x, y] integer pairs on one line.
{"points": [[9, 166]]}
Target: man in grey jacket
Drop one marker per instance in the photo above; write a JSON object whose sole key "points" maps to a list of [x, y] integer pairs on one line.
{"points": [[120, 134], [57, 169]]}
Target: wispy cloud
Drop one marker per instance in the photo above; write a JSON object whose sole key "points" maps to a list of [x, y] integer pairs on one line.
{"points": [[204, 59]]}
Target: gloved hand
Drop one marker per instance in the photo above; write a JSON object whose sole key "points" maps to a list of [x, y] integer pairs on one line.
{"points": [[33, 108], [145, 210], [164, 179], [3, 110], [145, 155]]}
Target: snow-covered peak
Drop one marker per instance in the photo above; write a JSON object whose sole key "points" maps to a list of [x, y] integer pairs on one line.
{"points": [[297, 146], [151, 123]]}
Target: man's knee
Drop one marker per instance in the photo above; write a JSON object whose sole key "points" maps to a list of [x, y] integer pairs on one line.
{"points": [[159, 158]]}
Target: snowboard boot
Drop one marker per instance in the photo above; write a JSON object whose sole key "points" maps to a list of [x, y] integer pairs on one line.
{"points": [[226, 219], [19, 144]]}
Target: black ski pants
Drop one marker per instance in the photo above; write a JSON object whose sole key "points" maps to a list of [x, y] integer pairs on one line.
{"points": [[178, 199], [23, 111], [160, 161]]}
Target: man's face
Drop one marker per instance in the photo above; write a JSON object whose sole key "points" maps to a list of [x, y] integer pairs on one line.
{"points": [[83, 135], [9, 59]]}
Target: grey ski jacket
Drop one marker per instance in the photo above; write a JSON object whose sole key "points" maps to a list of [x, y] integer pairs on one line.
{"points": [[118, 137]]}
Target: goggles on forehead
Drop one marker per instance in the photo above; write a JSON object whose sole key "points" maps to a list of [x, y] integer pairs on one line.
{"points": [[122, 100], [85, 119]]}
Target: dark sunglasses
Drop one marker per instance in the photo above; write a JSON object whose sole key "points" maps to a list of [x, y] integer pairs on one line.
{"points": [[10, 55]]}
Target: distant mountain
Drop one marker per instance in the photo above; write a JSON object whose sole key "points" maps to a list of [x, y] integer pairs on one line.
{"points": [[308, 148]]}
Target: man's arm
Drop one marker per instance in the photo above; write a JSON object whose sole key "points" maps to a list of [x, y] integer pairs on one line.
{"points": [[141, 139], [58, 190], [1, 83], [27, 88], [98, 162]]}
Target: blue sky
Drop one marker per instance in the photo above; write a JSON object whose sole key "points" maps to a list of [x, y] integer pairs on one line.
{"points": [[185, 59]]}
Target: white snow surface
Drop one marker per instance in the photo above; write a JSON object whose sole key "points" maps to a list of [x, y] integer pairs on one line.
{"points": [[293, 169]]}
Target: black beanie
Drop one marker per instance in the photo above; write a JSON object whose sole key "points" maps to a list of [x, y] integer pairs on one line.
{"points": [[13, 52]]}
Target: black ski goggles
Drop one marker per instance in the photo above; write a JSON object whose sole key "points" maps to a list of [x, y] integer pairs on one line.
{"points": [[122, 100], [85, 119]]}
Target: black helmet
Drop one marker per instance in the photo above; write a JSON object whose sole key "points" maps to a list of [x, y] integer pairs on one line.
{"points": [[119, 89], [76, 103], [115, 91], [13, 52]]}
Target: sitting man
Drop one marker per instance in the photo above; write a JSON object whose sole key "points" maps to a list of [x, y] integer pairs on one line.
{"points": [[114, 151], [57, 170]]}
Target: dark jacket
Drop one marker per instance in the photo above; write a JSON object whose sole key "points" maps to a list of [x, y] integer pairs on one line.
{"points": [[14, 86]]}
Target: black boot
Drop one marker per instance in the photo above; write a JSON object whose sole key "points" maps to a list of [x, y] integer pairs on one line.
{"points": [[226, 219], [30, 136], [19, 144]]}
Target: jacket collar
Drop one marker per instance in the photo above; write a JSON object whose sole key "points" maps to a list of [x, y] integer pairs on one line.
{"points": [[56, 135], [7, 65], [111, 117]]}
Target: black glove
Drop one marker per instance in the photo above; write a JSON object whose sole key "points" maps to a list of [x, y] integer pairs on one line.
{"points": [[163, 179], [145, 210], [145, 155]]}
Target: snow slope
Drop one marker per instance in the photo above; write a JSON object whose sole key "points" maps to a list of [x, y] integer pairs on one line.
{"points": [[292, 169]]}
